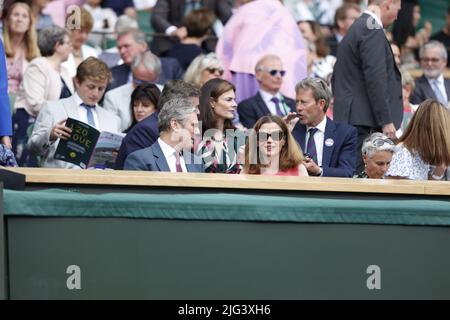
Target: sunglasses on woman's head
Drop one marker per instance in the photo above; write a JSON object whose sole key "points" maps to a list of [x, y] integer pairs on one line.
{"points": [[380, 142]]}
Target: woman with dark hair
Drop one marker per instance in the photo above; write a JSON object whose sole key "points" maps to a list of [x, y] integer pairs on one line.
{"points": [[144, 101], [221, 141], [424, 144], [404, 32], [272, 150]]}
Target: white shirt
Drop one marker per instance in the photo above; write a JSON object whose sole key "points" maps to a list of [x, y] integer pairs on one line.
{"points": [[441, 86], [270, 104], [82, 112], [318, 139], [169, 154], [373, 15]]}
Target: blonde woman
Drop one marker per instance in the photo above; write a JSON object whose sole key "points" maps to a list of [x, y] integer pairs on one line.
{"points": [[203, 68], [20, 40]]}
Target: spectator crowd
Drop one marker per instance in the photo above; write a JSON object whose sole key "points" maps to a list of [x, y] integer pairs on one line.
{"points": [[331, 88]]}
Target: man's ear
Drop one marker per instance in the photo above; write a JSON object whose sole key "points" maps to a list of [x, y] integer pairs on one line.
{"points": [[76, 82], [173, 124]]}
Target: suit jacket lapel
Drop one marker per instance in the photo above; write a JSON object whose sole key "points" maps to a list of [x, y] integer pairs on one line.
{"points": [[71, 108], [160, 159], [262, 105], [428, 91], [328, 150], [447, 88], [299, 134]]}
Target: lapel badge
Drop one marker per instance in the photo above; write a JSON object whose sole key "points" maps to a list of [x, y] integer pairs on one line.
{"points": [[329, 142]]}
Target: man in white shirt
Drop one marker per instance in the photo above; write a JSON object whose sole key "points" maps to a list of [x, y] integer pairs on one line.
{"points": [[330, 147], [268, 100], [432, 85], [90, 83], [177, 122]]}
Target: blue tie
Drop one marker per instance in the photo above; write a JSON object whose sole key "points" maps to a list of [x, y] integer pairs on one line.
{"points": [[277, 106], [311, 147], [90, 114]]}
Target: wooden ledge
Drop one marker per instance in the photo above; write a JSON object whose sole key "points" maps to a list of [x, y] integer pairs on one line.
{"points": [[204, 180]]}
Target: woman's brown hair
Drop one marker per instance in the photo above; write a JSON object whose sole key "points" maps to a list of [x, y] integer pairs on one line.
{"points": [[291, 155], [428, 133], [30, 38], [212, 90]]}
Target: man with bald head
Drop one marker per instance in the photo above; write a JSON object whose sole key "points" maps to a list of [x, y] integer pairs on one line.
{"points": [[268, 100]]}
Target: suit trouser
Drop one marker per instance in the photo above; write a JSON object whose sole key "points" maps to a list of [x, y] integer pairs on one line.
{"points": [[363, 133]]}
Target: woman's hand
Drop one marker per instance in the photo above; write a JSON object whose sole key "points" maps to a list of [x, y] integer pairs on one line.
{"points": [[6, 140]]}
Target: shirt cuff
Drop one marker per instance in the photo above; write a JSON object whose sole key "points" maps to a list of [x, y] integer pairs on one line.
{"points": [[170, 29]]}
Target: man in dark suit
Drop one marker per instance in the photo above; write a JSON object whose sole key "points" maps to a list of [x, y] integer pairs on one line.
{"points": [[330, 147], [177, 123], [146, 132], [343, 19], [366, 80], [168, 15], [432, 85], [130, 44], [268, 101]]}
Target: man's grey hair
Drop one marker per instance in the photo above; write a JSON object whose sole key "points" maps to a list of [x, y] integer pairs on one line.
{"points": [[138, 35], [150, 61], [175, 109], [263, 59], [319, 88], [434, 44], [49, 37], [124, 24], [376, 142]]}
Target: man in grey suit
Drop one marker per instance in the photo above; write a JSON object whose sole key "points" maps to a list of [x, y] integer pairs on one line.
{"points": [[90, 83], [168, 15], [177, 122], [366, 80], [432, 85]]}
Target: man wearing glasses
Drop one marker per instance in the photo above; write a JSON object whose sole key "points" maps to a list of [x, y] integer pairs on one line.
{"points": [[268, 100], [432, 85]]}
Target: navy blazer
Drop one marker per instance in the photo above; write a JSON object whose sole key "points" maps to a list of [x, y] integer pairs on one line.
{"points": [[251, 109], [339, 159], [142, 135], [424, 91], [153, 159], [170, 70]]}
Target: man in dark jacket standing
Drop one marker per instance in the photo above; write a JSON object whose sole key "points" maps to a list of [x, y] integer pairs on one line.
{"points": [[366, 81]]}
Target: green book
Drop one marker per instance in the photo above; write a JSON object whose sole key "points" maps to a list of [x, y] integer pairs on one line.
{"points": [[87, 147]]}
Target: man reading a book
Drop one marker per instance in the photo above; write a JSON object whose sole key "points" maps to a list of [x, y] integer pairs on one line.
{"points": [[90, 81], [177, 122]]}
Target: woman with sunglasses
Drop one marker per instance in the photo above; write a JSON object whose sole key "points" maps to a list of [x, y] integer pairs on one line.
{"points": [[221, 141], [203, 68], [377, 151], [272, 150], [424, 149]]}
